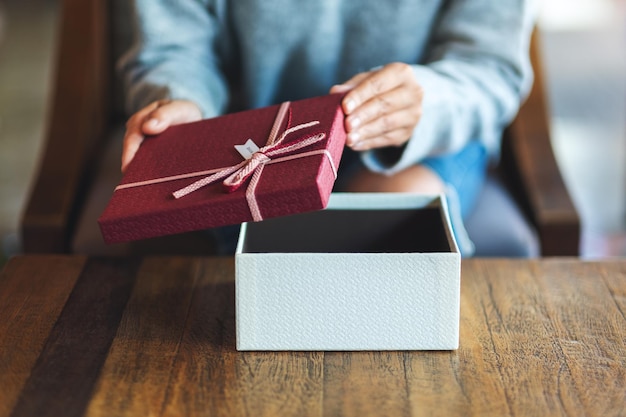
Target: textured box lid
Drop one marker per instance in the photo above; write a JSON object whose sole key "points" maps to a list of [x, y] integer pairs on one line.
{"points": [[290, 176], [299, 289]]}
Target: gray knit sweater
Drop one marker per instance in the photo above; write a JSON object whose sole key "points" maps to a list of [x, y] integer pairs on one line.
{"points": [[470, 56]]}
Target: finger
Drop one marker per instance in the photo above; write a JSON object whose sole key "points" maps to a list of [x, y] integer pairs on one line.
{"points": [[393, 138], [135, 122], [403, 97], [133, 136], [132, 142], [154, 119], [404, 120], [376, 83], [350, 84], [169, 114], [340, 88], [140, 116], [347, 104]]}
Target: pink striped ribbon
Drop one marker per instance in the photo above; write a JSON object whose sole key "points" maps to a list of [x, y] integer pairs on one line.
{"points": [[274, 151]]}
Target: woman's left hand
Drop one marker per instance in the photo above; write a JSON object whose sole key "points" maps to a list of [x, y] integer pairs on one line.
{"points": [[382, 106]]}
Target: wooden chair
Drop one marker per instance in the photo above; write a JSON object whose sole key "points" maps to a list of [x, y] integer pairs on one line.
{"points": [[86, 114]]}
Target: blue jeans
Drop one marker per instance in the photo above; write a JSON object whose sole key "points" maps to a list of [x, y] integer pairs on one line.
{"points": [[462, 172], [465, 171]]}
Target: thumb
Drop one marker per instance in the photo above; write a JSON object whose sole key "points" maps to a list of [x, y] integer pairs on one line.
{"points": [[170, 114]]}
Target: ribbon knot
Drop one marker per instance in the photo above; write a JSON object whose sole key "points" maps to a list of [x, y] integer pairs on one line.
{"points": [[237, 178]]}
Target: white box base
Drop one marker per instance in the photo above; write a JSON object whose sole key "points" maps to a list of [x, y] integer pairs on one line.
{"points": [[371, 272]]}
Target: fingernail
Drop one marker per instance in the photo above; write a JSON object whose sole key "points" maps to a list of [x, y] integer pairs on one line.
{"points": [[354, 122], [350, 106], [358, 146], [341, 88], [353, 139], [154, 122]]}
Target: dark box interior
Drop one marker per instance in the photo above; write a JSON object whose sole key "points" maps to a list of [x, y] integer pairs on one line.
{"points": [[351, 231]]}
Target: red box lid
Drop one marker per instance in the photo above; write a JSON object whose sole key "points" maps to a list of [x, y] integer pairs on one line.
{"points": [[293, 176]]}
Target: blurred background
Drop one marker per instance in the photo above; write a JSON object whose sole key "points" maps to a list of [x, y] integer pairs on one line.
{"points": [[584, 48]]}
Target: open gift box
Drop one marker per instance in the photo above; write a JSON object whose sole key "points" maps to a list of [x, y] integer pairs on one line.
{"points": [[370, 272]]}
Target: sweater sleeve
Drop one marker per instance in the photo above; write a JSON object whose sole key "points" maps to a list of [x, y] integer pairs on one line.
{"points": [[174, 56], [474, 75]]}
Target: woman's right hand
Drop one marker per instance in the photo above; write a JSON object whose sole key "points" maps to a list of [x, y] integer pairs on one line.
{"points": [[154, 119]]}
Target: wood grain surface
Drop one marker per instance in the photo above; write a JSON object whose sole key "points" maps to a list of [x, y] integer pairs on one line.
{"points": [[156, 337]]}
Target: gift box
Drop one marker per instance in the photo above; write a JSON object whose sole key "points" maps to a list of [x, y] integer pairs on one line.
{"points": [[370, 272], [245, 166]]}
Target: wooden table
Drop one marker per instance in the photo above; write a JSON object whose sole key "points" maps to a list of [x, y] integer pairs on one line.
{"points": [[155, 337]]}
